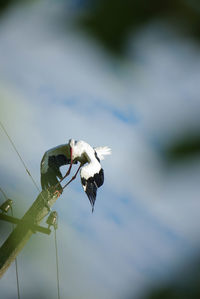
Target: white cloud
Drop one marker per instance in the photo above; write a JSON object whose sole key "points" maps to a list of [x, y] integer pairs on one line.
{"points": [[57, 87]]}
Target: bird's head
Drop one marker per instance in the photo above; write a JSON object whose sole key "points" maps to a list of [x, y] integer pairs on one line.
{"points": [[71, 143]]}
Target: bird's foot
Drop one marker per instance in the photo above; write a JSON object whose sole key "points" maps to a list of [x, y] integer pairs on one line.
{"points": [[57, 193]]}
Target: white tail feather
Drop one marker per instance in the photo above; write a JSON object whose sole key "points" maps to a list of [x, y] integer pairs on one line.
{"points": [[102, 151]]}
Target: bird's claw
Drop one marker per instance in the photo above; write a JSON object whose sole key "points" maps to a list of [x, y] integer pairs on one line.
{"points": [[57, 193]]}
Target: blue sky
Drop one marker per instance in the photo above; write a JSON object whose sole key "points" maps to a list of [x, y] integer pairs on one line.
{"points": [[55, 86]]}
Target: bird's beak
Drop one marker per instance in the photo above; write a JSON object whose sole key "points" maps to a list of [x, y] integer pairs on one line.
{"points": [[71, 154]]}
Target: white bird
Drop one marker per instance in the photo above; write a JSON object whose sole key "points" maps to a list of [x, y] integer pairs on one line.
{"points": [[92, 174]]}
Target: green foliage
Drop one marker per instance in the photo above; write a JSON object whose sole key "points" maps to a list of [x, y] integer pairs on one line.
{"points": [[5, 4], [183, 148], [111, 21]]}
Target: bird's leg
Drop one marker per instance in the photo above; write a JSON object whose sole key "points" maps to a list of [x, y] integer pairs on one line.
{"points": [[68, 171], [73, 178], [58, 192]]}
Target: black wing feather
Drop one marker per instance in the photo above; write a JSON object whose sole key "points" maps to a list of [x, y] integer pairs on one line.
{"points": [[99, 178], [91, 191], [49, 178], [91, 185]]}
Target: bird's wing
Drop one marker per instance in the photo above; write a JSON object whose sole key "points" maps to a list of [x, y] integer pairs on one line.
{"points": [[50, 164], [49, 179], [92, 177], [44, 163], [61, 153]]}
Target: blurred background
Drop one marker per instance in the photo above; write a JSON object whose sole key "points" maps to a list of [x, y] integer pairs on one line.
{"points": [[124, 74]]}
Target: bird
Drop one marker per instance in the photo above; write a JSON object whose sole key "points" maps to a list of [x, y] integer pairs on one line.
{"points": [[91, 172]]}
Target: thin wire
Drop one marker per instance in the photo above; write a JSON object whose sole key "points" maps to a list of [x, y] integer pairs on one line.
{"points": [[4, 194], [16, 266], [57, 268], [34, 182]]}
